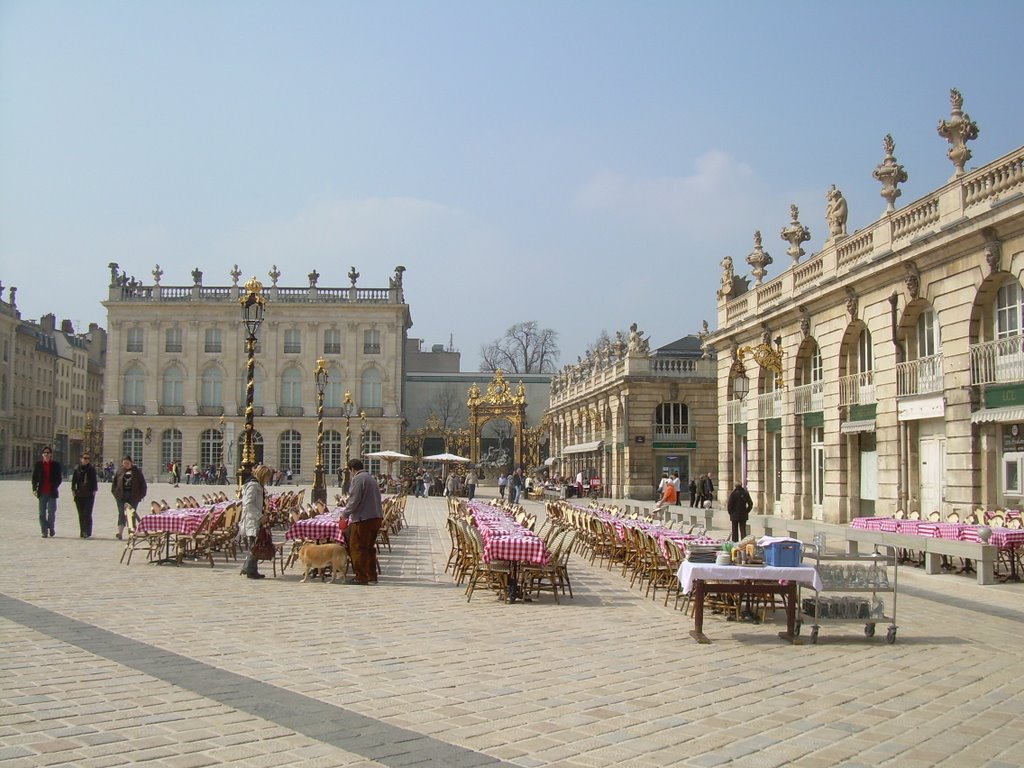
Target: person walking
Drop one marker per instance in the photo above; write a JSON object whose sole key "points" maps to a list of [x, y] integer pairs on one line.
{"points": [[129, 489], [707, 489], [515, 486], [175, 473], [46, 479], [502, 483], [83, 487], [254, 498], [679, 487], [739, 506], [471, 483], [451, 485], [364, 515], [693, 492]]}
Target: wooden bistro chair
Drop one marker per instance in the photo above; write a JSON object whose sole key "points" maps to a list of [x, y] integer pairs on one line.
{"points": [[151, 542]]}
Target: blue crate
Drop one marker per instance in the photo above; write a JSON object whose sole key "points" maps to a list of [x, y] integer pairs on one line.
{"points": [[783, 554]]}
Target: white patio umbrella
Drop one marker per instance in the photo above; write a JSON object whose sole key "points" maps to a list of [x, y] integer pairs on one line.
{"points": [[389, 456], [446, 459]]}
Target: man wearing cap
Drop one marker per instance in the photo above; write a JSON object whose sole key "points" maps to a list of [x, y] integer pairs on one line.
{"points": [[364, 514]]}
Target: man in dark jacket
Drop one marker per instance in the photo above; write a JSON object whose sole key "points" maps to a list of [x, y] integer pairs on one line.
{"points": [[364, 513], [740, 505], [46, 479], [129, 489], [83, 487]]}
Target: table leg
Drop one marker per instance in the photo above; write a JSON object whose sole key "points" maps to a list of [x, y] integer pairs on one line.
{"points": [[1012, 575], [790, 597], [697, 633]]}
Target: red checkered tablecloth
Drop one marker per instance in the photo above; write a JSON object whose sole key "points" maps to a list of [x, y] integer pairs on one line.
{"points": [[182, 521], [505, 539], [323, 526], [1003, 538]]}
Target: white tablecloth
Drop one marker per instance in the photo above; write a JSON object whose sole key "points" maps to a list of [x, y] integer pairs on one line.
{"points": [[688, 572]]}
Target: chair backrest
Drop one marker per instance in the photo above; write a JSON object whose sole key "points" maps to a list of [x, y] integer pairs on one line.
{"points": [[934, 516], [900, 515], [996, 521], [914, 515], [953, 517]]}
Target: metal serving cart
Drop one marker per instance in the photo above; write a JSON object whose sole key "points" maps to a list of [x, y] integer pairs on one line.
{"points": [[854, 590]]}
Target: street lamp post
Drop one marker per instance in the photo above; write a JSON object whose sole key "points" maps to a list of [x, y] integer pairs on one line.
{"points": [[253, 309], [319, 484], [362, 433], [347, 408]]}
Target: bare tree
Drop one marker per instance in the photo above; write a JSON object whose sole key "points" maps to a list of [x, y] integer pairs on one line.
{"points": [[525, 348], [450, 406]]}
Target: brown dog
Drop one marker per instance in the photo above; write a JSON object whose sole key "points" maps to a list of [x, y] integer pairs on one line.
{"points": [[320, 556]]}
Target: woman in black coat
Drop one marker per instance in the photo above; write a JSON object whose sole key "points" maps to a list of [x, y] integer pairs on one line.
{"points": [[740, 505], [83, 487]]}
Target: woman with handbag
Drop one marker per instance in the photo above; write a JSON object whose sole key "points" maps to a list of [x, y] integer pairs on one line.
{"points": [[253, 518]]}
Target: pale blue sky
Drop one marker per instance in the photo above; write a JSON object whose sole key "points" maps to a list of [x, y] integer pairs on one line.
{"points": [[583, 164]]}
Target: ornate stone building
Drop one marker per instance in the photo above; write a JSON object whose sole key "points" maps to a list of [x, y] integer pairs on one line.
{"points": [[627, 414], [176, 375], [885, 371]]}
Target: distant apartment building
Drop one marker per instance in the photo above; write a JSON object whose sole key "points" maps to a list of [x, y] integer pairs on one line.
{"points": [[176, 374], [50, 388]]}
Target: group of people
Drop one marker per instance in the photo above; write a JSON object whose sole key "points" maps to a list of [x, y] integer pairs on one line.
{"points": [[514, 485], [128, 487]]}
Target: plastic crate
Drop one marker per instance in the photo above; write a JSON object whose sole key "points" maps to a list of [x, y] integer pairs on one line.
{"points": [[783, 554]]}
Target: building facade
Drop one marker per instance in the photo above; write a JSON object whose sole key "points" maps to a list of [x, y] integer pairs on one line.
{"points": [[50, 387], [886, 371], [176, 374], [628, 415]]}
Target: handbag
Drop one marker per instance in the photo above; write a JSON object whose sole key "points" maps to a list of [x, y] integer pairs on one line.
{"points": [[263, 546]]}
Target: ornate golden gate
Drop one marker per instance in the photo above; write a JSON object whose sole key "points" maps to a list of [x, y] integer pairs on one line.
{"points": [[497, 403]]}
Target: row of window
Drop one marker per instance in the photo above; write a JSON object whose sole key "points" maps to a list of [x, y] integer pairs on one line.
{"points": [[213, 341], [211, 388], [211, 448]]}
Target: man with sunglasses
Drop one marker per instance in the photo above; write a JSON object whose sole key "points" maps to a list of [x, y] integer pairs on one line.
{"points": [[46, 479], [83, 487]]}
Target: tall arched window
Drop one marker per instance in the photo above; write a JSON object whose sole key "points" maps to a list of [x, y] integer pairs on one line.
{"points": [[211, 393], [131, 444], [134, 386], [170, 447], [334, 394], [371, 392], [334, 451], [291, 388], [1009, 311], [211, 448], [291, 451], [371, 444], [672, 420], [865, 353], [173, 390], [927, 332]]}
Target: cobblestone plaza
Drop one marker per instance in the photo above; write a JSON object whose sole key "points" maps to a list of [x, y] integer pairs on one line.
{"points": [[108, 665]]}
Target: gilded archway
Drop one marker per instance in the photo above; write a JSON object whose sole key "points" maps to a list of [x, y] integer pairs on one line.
{"points": [[498, 402]]}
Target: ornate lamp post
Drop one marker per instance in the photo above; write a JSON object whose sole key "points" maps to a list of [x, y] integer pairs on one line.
{"points": [[253, 308], [347, 408], [362, 433], [319, 484]]}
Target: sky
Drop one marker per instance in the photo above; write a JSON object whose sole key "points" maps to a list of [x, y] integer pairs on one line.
{"points": [[586, 165]]}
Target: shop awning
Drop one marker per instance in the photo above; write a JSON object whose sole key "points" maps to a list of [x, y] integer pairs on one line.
{"points": [[583, 447], [987, 415], [853, 427], [550, 460]]}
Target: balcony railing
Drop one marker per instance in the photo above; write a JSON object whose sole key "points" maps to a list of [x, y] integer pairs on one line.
{"points": [[998, 362], [809, 398], [919, 377], [289, 410], [857, 389], [131, 410], [735, 413], [675, 432], [769, 405], [171, 410], [373, 411], [257, 410], [211, 410]]}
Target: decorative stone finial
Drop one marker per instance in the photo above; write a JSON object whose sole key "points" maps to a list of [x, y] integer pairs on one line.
{"points": [[197, 276], [795, 234], [157, 274], [890, 173], [958, 130], [274, 273], [725, 288], [235, 274], [835, 214], [758, 259], [353, 276], [112, 266]]}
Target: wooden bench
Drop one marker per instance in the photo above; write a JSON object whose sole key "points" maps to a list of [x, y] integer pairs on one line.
{"points": [[933, 548]]}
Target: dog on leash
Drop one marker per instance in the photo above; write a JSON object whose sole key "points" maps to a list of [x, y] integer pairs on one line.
{"points": [[319, 556]]}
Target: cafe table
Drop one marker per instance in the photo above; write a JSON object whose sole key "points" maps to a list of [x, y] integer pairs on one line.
{"points": [[318, 528], [180, 522], [701, 579]]}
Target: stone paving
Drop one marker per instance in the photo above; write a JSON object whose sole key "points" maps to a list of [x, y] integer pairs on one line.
{"points": [[107, 665]]}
